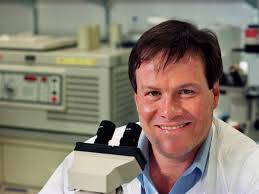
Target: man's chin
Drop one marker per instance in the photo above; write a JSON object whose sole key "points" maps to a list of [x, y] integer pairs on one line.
{"points": [[174, 151]]}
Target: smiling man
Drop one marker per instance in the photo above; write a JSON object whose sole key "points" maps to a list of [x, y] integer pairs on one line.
{"points": [[175, 107], [175, 69]]}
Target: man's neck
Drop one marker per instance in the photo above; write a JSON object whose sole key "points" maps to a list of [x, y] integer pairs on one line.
{"points": [[164, 172]]}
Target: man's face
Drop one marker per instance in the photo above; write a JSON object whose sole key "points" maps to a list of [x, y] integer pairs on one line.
{"points": [[175, 105]]}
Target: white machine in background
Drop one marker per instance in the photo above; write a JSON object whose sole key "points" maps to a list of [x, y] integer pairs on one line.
{"points": [[66, 90], [51, 96], [25, 41]]}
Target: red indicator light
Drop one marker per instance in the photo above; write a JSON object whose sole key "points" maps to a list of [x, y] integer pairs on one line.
{"points": [[251, 32], [53, 99], [30, 78], [44, 79]]}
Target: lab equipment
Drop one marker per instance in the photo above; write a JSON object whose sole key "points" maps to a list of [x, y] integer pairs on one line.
{"points": [[252, 38], [105, 132], [252, 92], [88, 37], [240, 95], [25, 41], [100, 168], [65, 90], [115, 35]]}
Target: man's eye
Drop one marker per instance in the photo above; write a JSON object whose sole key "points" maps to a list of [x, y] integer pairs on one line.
{"points": [[186, 92], [153, 93]]}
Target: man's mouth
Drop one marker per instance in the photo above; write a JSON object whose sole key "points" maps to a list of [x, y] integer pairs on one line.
{"points": [[173, 127]]}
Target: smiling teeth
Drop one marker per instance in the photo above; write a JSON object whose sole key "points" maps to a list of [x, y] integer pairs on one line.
{"points": [[168, 128]]}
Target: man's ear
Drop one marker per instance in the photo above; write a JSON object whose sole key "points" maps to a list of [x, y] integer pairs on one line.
{"points": [[216, 92]]}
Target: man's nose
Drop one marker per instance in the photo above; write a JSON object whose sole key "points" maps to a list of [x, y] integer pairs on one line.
{"points": [[170, 108]]}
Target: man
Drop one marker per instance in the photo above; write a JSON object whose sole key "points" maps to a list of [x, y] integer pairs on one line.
{"points": [[175, 69]]}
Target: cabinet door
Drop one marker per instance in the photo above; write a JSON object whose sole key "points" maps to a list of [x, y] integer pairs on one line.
{"points": [[31, 163]]}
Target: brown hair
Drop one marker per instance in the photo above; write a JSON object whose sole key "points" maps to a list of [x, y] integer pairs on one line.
{"points": [[174, 39]]}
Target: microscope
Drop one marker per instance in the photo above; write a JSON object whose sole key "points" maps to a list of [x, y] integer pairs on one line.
{"points": [[101, 168]]}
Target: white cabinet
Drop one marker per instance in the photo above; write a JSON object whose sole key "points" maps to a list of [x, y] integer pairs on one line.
{"points": [[26, 165]]}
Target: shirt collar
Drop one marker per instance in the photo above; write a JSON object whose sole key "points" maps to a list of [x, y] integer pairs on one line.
{"points": [[200, 160], [143, 145]]}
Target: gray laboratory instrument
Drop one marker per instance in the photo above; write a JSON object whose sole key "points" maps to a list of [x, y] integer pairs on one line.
{"points": [[52, 95], [27, 41], [65, 90]]}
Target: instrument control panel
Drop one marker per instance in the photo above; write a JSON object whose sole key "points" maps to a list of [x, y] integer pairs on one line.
{"points": [[41, 89]]}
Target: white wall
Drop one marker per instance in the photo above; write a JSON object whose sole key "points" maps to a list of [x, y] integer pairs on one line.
{"points": [[15, 17], [65, 16], [201, 13]]}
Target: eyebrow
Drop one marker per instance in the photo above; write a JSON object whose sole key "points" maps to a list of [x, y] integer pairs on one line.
{"points": [[189, 85], [180, 86], [149, 87]]}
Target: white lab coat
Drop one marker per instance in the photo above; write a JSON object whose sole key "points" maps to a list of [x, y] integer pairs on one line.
{"points": [[232, 168]]}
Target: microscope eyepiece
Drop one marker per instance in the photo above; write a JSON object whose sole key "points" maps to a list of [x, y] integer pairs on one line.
{"points": [[105, 132], [131, 135]]}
